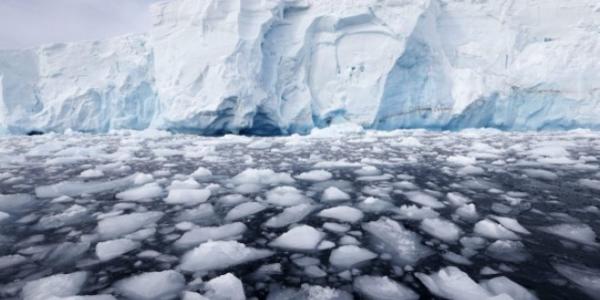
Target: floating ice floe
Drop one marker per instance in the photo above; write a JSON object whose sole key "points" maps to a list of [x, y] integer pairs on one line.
{"points": [[508, 251], [151, 285], [108, 250], [342, 213], [200, 235], [188, 197], [424, 199], [244, 210], [201, 172], [16, 202], [72, 215], [290, 215], [492, 230], [91, 173], [413, 212], [225, 287], [300, 238], [315, 175], [262, 177], [286, 196], [9, 261], [333, 194], [58, 285], [391, 237], [218, 255], [118, 226], [586, 278], [349, 256], [76, 188], [382, 288], [441, 229], [452, 283], [142, 193], [580, 233]]}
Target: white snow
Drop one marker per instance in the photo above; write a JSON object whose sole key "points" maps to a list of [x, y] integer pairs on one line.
{"points": [[346, 257], [151, 285], [342, 213], [114, 248], [300, 238], [218, 255]]}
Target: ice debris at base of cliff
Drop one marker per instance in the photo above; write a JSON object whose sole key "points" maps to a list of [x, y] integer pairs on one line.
{"points": [[335, 215]]}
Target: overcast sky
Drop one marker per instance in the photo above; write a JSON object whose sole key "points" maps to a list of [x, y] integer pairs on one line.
{"points": [[28, 23]]}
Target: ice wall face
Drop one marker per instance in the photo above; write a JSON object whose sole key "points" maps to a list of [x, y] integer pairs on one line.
{"points": [[284, 66], [89, 86]]}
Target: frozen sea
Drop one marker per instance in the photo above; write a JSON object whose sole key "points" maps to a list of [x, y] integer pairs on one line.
{"points": [[339, 214]]}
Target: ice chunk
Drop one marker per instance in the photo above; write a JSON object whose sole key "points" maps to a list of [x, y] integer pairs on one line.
{"points": [[188, 197], [8, 261], [441, 229], [374, 205], [72, 215], [59, 285], [581, 233], [540, 174], [189, 184], [342, 213], [151, 285], [315, 175], [76, 188], [587, 279], [590, 183], [391, 237], [462, 160], [509, 251], [118, 226], [333, 194], [301, 238], [201, 172], [220, 255], [383, 288], [142, 193], [244, 210], [114, 248], [468, 212], [511, 224], [502, 285], [4, 216], [91, 173], [424, 199], [15, 202], [346, 257], [290, 215], [262, 177], [286, 196], [492, 230], [225, 287], [200, 235], [413, 212], [458, 199], [452, 283]]}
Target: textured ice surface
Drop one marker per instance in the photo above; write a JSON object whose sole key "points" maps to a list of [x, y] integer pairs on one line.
{"points": [[151, 285], [273, 236], [59, 285], [271, 67]]}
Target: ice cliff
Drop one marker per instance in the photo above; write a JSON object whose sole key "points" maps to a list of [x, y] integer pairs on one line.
{"points": [[283, 66]]}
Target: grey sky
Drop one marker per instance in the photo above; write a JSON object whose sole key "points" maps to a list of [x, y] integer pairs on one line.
{"points": [[28, 23]]}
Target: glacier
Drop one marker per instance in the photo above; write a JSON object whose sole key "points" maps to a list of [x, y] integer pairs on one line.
{"points": [[270, 67]]}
